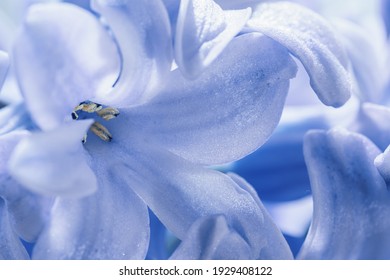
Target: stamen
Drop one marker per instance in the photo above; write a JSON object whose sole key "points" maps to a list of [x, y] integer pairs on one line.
{"points": [[107, 114], [101, 132]]}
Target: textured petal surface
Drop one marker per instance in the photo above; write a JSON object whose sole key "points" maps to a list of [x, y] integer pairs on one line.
{"points": [[4, 61], [26, 211], [11, 247], [311, 39], [113, 223], [54, 162], [179, 193], [351, 201], [229, 111], [143, 33], [203, 30], [62, 56]]}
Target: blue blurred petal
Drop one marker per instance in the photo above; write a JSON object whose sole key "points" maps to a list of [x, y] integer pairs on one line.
{"points": [[386, 14], [62, 56], [382, 163], [212, 238], [54, 162], [113, 223], [4, 61], [14, 117], [351, 201], [373, 122], [11, 248], [203, 30], [366, 61], [311, 39], [239, 99], [143, 33], [237, 4]]}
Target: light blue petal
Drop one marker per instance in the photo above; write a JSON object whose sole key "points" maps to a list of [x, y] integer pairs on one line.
{"points": [[62, 56], [4, 62], [180, 193], [54, 162], [372, 121], [143, 33], [351, 201], [27, 211], [311, 39], [203, 30], [228, 112], [386, 14], [11, 248], [113, 223], [382, 162], [212, 238]]}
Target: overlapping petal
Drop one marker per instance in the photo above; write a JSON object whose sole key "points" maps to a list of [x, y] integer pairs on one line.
{"points": [[10, 245], [143, 34], [203, 30], [212, 238], [245, 93], [14, 117], [62, 56], [179, 192], [26, 211], [113, 223], [312, 40], [54, 162], [351, 201]]}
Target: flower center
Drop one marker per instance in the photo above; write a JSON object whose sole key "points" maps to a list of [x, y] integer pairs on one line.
{"points": [[106, 113]]}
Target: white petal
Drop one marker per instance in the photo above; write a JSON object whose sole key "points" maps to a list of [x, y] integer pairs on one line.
{"points": [[54, 162], [62, 56]]}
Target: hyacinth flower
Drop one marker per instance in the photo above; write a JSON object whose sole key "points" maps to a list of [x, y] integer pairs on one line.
{"points": [[156, 150], [164, 134]]}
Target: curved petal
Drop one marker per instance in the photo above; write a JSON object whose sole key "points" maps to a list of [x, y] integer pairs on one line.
{"points": [[212, 238], [113, 223], [228, 112], [277, 171], [351, 201], [62, 56], [311, 39], [54, 162], [203, 30], [179, 193], [372, 121], [11, 248], [4, 62], [143, 34], [27, 211]]}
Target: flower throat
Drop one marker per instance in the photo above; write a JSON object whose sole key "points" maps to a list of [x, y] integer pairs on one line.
{"points": [[106, 113]]}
